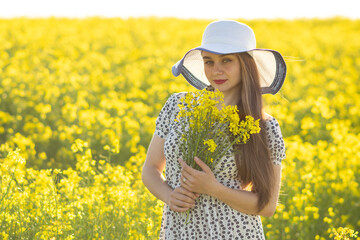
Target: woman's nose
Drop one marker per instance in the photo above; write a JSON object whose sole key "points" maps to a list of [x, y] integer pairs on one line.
{"points": [[218, 69]]}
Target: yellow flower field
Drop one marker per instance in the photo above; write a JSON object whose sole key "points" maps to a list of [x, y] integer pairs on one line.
{"points": [[78, 103]]}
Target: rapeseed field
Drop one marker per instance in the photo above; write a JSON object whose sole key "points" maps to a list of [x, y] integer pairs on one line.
{"points": [[78, 103]]}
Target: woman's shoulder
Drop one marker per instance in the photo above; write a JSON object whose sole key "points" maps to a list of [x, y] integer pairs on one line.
{"points": [[269, 119], [171, 104], [271, 123], [272, 127], [167, 114], [178, 95], [175, 97]]}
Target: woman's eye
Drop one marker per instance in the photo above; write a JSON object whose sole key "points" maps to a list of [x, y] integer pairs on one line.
{"points": [[208, 62], [226, 60]]}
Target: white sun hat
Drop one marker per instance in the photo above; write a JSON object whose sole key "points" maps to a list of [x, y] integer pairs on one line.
{"points": [[225, 37]]}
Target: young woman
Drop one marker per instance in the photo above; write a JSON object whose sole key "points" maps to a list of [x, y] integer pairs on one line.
{"points": [[228, 204]]}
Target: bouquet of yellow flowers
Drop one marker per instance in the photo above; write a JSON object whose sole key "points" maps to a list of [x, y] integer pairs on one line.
{"points": [[209, 129]]}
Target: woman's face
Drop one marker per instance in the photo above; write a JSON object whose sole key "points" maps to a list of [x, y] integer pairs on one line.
{"points": [[222, 71]]}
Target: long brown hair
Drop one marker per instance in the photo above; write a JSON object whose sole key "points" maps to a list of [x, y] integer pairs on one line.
{"points": [[255, 169]]}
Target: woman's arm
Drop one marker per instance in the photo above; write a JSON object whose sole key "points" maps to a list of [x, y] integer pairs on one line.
{"points": [[178, 199], [241, 200]]}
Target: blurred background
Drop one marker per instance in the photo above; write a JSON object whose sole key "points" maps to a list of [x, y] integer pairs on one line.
{"points": [[82, 83]]}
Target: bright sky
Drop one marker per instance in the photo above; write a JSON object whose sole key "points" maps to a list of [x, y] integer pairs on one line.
{"points": [[213, 9]]}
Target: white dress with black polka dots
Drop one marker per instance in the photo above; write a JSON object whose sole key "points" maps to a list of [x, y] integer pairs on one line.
{"points": [[210, 219]]}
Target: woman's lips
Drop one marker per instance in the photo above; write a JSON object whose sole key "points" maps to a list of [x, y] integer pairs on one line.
{"points": [[220, 81]]}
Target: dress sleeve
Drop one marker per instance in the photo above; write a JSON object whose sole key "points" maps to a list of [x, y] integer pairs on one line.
{"points": [[275, 141], [166, 116]]}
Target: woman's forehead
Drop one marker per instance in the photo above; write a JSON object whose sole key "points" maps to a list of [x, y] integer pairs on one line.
{"points": [[206, 54]]}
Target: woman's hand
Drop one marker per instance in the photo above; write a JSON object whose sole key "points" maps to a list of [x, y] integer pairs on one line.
{"points": [[180, 199], [197, 181], [204, 182]]}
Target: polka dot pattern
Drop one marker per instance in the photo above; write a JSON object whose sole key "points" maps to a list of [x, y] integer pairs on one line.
{"points": [[210, 218]]}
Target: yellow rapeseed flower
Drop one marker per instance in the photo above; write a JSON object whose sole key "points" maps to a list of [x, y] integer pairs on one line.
{"points": [[211, 144], [205, 121]]}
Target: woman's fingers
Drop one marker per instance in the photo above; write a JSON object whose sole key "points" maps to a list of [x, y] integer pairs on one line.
{"points": [[185, 167], [202, 165], [185, 195], [182, 204], [186, 183], [196, 181], [181, 200], [188, 193]]}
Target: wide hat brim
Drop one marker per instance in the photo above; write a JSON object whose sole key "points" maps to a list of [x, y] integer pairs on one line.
{"points": [[270, 64]]}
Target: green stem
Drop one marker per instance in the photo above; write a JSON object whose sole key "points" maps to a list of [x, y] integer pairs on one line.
{"points": [[226, 149]]}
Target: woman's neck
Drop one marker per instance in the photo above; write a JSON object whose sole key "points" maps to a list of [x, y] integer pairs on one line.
{"points": [[231, 98]]}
